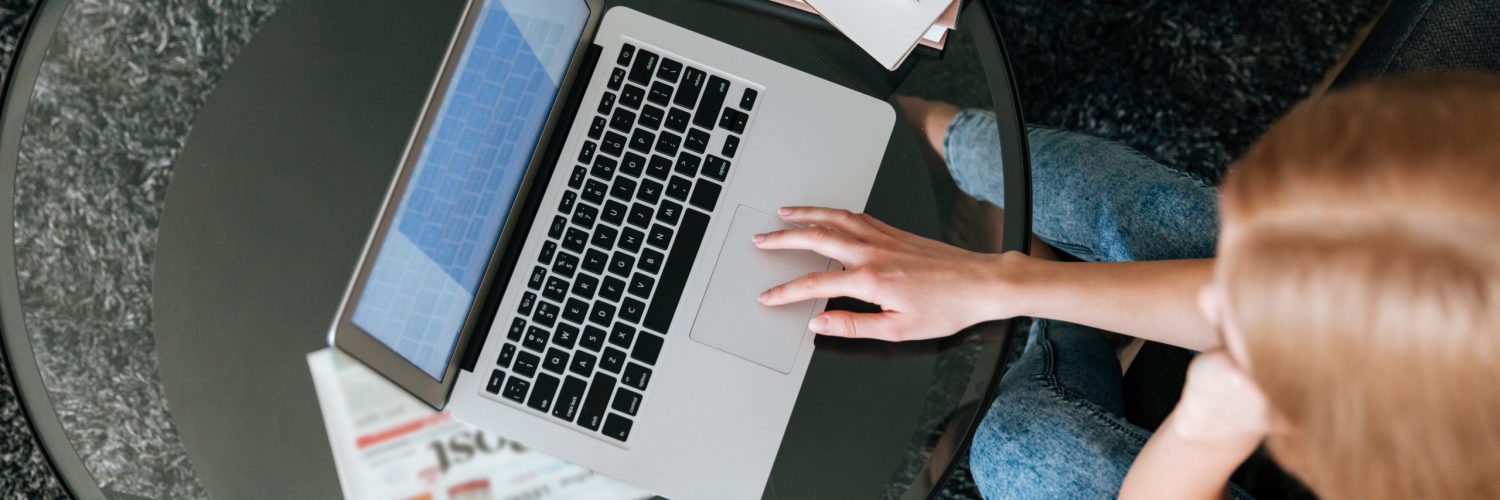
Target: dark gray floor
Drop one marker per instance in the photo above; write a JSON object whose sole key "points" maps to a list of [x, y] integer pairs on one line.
{"points": [[1190, 82]]}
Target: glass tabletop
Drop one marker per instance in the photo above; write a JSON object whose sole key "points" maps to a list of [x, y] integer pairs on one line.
{"points": [[192, 185]]}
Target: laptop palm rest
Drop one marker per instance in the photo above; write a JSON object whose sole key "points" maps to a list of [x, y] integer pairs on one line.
{"points": [[731, 319]]}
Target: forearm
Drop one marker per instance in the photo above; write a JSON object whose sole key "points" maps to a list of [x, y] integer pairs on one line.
{"points": [[1178, 463], [1152, 300]]}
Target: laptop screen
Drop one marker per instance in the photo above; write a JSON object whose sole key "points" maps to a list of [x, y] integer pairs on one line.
{"points": [[473, 157]]}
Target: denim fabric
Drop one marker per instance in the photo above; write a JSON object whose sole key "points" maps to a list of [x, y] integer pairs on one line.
{"points": [[1096, 199]]}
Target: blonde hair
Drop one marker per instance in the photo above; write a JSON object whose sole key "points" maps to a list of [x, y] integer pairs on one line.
{"points": [[1362, 265]]}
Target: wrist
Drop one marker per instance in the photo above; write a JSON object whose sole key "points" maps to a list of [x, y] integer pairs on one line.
{"points": [[1007, 286]]}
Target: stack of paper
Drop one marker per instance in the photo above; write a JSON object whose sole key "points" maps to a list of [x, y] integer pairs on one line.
{"points": [[887, 29]]}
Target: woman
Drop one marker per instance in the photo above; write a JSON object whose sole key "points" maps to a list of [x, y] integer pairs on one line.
{"points": [[1352, 321]]}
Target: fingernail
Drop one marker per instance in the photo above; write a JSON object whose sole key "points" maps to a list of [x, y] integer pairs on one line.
{"points": [[785, 211], [762, 297], [758, 237], [818, 324]]}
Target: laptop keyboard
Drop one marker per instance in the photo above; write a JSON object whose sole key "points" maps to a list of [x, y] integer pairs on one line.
{"points": [[583, 344]]}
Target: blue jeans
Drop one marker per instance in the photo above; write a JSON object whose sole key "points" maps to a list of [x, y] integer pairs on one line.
{"points": [[1056, 428]]}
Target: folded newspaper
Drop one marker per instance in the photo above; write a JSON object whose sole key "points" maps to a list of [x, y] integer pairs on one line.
{"points": [[388, 445]]}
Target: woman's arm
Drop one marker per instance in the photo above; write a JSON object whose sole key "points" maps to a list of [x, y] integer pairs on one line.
{"points": [[931, 289]]}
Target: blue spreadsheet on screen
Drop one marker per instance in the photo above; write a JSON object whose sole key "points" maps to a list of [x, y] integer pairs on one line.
{"points": [[434, 254]]}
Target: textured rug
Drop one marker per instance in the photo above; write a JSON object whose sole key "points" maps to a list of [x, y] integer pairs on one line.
{"points": [[1190, 82]]}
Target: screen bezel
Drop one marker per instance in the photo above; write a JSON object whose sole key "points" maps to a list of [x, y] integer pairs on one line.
{"points": [[352, 339]]}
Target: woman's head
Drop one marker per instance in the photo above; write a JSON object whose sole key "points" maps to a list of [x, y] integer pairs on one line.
{"points": [[1359, 281]]}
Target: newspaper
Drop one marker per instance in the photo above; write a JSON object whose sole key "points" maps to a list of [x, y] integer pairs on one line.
{"points": [[388, 445]]}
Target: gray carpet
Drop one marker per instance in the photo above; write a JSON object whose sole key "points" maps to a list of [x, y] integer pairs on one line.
{"points": [[1190, 82]]}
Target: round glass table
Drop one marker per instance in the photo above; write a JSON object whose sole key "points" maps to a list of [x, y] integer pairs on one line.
{"points": [[189, 188]]}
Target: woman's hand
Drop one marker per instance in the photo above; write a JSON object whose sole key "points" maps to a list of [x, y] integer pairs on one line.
{"points": [[1220, 403], [925, 288]]}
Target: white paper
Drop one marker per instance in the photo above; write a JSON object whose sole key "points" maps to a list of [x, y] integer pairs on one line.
{"points": [[886, 29], [388, 445]]}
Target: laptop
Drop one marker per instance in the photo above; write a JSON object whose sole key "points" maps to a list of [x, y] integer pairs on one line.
{"points": [[564, 257]]}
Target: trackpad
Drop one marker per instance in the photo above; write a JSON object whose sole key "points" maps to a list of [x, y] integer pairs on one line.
{"points": [[731, 319]]}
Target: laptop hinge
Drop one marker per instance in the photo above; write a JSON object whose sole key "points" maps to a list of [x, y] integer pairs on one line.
{"points": [[532, 204]]}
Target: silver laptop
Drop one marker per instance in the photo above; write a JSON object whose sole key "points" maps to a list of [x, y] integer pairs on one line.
{"points": [[565, 256]]}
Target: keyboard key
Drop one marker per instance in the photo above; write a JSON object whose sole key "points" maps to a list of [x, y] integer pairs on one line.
{"points": [[650, 261], [575, 240], [675, 273], [705, 195], [678, 119], [621, 264], [570, 399], [623, 189], [647, 348], [606, 103], [747, 100], [526, 364], [734, 120], [613, 143], [612, 360], [612, 289], [527, 301], [641, 285], [631, 239], [713, 100], [632, 96], [517, 329], [632, 164], [697, 140], [668, 143], [546, 315], [575, 181], [626, 402], [575, 310], [636, 376], [565, 336], [556, 361], [614, 211], [631, 310], [566, 264], [603, 314], [660, 94], [604, 237], [644, 67], [542, 393], [497, 380], [549, 248], [640, 215], [651, 117], [538, 276], [642, 140], [617, 427], [595, 260], [659, 167], [594, 191], [660, 236], [507, 354], [583, 363], [679, 188], [625, 52], [584, 286], [585, 216], [566, 205], [650, 191], [616, 78], [716, 168], [622, 120], [621, 335], [515, 390], [687, 164], [731, 146], [591, 415], [586, 153], [556, 289], [593, 338], [604, 168], [669, 70], [596, 129], [536, 338], [691, 86]]}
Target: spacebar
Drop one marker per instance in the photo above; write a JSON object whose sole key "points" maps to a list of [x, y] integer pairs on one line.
{"points": [[674, 273]]}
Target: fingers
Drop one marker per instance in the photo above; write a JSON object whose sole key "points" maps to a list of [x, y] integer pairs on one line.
{"points": [[823, 240], [880, 326], [857, 224], [821, 285]]}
